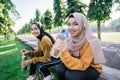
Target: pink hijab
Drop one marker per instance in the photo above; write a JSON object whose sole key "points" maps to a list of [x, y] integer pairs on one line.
{"points": [[86, 34]]}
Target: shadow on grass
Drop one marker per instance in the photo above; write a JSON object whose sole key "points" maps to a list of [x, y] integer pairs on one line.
{"points": [[10, 60]]}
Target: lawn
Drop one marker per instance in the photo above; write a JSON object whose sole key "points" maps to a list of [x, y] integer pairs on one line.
{"points": [[110, 36], [1, 38], [10, 60]]}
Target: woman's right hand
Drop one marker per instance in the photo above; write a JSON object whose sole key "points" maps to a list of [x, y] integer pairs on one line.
{"points": [[24, 51], [26, 62]]}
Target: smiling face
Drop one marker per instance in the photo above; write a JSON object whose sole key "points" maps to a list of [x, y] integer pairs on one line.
{"points": [[73, 27], [35, 30]]}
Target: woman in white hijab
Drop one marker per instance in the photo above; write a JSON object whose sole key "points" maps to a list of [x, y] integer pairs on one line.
{"points": [[81, 54]]}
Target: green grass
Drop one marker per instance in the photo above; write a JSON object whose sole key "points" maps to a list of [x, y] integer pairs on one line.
{"points": [[113, 37], [10, 60], [110, 36], [1, 38]]}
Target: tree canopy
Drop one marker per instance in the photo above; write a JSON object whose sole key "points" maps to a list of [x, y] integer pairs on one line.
{"points": [[6, 8], [99, 10], [75, 6], [59, 11]]}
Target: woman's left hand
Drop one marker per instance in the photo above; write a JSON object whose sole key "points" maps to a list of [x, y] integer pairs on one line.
{"points": [[60, 45], [26, 63]]}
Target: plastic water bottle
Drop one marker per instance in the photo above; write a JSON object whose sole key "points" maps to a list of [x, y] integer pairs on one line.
{"points": [[23, 59], [54, 52]]}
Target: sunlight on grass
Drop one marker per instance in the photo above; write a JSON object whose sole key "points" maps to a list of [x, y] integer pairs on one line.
{"points": [[1, 38], [110, 36], [113, 37], [10, 60], [7, 45], [8, 51]]}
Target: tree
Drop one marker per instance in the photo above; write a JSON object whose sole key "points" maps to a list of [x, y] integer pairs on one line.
{"points": [[42, 19], [48, 19], [59, 10], [115, 24], [99, 11], [75, 6], [6, 28], [6, 8], [26, 28], [37, 15]]}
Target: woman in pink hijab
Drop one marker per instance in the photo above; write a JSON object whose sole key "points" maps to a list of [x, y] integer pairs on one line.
{"points": [[81, 54]]}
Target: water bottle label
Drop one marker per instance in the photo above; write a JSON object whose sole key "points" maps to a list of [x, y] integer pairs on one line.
{"points": [[56, 53]]}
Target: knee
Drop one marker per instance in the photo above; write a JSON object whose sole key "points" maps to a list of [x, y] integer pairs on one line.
{"points": [[68, 76], [60, 71], [77, 76], [39, 68]]}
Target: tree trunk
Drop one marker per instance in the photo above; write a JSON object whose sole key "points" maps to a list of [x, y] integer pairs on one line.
{"points": [[99, 31], [6, 36]]}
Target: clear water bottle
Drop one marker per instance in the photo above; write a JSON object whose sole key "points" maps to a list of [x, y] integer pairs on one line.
{"points": [[24, 57], [54, 52]]}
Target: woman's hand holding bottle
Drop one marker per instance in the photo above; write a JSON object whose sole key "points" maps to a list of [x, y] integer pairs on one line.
{"points": [[59, 45]]}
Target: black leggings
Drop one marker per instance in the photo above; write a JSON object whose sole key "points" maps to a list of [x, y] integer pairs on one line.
{"points": [[43, 68], [66, 74]]}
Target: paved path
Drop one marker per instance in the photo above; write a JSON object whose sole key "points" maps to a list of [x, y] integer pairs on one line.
{"points": [[112, 54], [111, 70]]}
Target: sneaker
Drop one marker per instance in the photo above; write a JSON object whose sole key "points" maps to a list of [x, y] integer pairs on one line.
{"points": [[52, 75], [32, 77], [49, 77]]}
